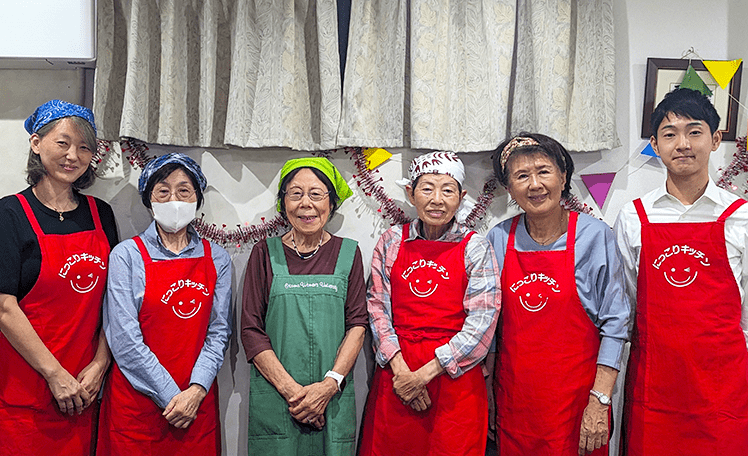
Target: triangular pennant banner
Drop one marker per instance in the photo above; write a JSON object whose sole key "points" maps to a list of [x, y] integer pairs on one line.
{"points": [[648, 150], [599, 186], [694, 82], [375, 157], [722, 70]]}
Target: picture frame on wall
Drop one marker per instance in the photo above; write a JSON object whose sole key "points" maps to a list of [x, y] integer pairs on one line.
{"points": [[664, 75]]}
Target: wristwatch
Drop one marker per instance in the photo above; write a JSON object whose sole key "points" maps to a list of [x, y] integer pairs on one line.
{"points": [[337, 377], [604, 399]]}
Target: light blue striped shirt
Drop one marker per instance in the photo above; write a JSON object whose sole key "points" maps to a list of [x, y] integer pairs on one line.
{"points": [[599, 277], [124, 296]]}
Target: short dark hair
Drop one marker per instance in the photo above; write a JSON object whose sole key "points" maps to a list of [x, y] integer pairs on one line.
{"points": [[546, 146], [162, 174], [688, 103], [35, 169], [334, 198]]}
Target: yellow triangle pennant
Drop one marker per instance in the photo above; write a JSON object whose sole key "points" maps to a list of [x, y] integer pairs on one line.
{"points": [[722, 70], [375, 157]]}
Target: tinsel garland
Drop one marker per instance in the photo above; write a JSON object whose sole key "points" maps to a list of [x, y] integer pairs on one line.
{"points": [[572, 203], [102, 148], [242, 235], [738, 166], [135, 151], [368, 180]]}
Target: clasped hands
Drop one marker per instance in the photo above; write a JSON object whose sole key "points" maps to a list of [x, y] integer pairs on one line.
{"points": [[182, 409], [307, 404], [410, 387]]}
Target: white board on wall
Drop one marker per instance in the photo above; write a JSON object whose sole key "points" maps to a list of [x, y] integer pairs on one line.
{"points": [[47, 34]]}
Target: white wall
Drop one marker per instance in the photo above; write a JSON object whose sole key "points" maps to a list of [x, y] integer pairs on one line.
{"points": [[242, 182]]}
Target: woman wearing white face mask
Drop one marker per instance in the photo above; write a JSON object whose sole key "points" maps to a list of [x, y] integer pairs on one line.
{"points": [[167, 321]]}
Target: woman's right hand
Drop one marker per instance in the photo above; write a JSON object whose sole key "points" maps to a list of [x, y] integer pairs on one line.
{"points": [[408, 386], [70, 395]]}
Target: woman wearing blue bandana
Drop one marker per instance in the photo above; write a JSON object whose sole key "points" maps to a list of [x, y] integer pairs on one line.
{"points": [[167, 318], [54, 243], [303, 321]]}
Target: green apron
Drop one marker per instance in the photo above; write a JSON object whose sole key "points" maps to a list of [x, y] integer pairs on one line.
{"points": [[306, 324]]}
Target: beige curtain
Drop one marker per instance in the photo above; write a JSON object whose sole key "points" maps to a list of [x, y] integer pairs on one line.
{"points": [[428, 74], [424, 74], [565, 67], [438, 74], [219, 72]]}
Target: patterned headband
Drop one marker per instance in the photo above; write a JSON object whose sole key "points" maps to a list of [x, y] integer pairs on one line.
{"points": [[440, 162], [516, 142]]}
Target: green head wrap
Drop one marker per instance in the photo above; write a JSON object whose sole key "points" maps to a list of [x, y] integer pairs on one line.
{"points": [[322, 164]]}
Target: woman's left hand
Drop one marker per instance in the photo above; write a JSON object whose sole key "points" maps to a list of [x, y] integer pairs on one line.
{"points": [[594, 431], [182, 409], [308, 405]]}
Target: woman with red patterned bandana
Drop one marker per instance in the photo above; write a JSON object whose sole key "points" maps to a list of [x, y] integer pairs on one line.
{"points": [[54, 243], [433, 303], [564, 316], [167, 316]]}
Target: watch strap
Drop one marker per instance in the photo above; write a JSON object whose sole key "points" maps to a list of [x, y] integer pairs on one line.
{"points": [[337, 377]]}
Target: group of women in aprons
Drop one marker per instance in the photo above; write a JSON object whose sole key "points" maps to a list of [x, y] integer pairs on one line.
{"points": [[538, 305]]}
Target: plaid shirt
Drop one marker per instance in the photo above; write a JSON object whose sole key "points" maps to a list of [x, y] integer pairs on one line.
{"points": [[482, 300]]}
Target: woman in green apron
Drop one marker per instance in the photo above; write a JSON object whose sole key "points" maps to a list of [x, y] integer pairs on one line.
{"points": [[303, 321]]}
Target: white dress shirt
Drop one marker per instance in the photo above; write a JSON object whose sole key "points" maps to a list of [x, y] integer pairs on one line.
{"points": [[662, 207]]}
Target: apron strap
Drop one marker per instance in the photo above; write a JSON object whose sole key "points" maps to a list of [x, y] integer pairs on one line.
{"points": [[94, 212], [640, 211], [207, 251], [571, 236], [731, 209], [30, 215], [512, 231], [406, 232], [277, 256], [143, 250], [347, 253]]}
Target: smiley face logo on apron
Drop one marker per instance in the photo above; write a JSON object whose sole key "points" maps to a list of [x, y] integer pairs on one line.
{"points": [[424, 276], [83, 271], [534, 291], [185, 298], [680, 264]]}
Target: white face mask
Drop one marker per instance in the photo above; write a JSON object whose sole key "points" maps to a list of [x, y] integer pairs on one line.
{"points": [[172, 216]]}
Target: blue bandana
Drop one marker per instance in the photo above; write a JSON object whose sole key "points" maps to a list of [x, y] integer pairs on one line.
{"points": [[56, 109], [174, 157]]}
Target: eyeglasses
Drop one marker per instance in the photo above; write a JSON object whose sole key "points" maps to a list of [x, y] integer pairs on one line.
{"points": [[314, 195], [163, 194]]}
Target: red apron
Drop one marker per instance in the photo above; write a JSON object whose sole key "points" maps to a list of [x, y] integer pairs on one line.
{"points": [[547, 356], [687, 378], [64, 307], [174, 321], [428, 282]]}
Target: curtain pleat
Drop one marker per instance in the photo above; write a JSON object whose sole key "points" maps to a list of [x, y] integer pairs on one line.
{"points": [[428, 74], [565, 72]]}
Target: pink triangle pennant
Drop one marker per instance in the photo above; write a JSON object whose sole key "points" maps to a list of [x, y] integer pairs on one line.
{"points": [[599, 186]]}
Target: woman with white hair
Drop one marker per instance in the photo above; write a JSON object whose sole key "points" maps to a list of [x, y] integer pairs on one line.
{"points": [[433, 303]]}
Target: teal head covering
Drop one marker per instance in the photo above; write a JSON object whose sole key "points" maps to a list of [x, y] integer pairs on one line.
{"points": [[322, 164]]}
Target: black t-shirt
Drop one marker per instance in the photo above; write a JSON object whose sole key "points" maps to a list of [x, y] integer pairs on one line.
{"points": [[20, 254]]}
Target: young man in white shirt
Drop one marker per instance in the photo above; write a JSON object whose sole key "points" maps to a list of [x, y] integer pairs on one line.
{"points": [[684, 248]]}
